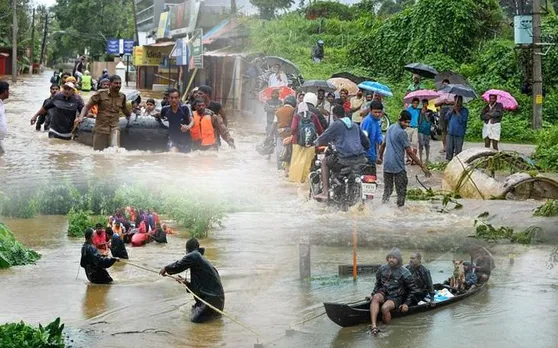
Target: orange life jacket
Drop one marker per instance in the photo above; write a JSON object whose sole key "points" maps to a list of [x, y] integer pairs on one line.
{"points": [[203, 129]]}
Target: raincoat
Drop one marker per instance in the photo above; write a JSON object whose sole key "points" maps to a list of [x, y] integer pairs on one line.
{"points": [[95, 265], [117, 247], [396, 282], [423, 281], [205, 282]]}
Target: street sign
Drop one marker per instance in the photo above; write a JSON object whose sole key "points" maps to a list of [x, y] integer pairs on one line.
{"points": [[182, 52], [120, 46], [112, 46], [197, 49]]}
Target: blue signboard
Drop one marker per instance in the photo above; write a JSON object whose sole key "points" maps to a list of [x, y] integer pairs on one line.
{"points": [[113, 46], [128, 46], [182, 52], [118, 47]]}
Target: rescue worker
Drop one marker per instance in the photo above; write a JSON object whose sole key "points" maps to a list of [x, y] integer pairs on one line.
{"points": [[207, 127], [86, 82], [395, 289], [205, 281], [110, 104], [117, 247], [64, 108], [95, 264], [422, 278]]}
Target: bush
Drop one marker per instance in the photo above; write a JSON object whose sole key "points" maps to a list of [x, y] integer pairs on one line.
{"points": [[546, 153], [79, 221], [20, 204], [59, 199], [17, 335], [12, 252], [197, 217]]}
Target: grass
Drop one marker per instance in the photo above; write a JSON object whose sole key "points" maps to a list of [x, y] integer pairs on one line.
{"points": [[12, 252], [489, 233], [548, 209]]}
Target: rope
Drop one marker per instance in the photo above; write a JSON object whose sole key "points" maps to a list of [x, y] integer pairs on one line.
{"points": [[181, 280]]}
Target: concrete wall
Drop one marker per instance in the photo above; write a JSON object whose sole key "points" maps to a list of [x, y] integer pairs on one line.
{"points": [[96, 68]]}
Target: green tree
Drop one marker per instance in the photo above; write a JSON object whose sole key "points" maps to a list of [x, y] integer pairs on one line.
{"points": [[268, 8], [86, 24]]}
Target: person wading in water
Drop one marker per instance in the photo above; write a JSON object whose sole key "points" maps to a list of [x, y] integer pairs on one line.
{"points": [[204, 281], [95, 264]]}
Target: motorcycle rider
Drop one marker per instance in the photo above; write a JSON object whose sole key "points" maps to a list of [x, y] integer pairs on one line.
{"points": [[350, 145]]}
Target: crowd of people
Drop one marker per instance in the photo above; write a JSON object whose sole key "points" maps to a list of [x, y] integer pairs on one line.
{"points": [[398, 287]]}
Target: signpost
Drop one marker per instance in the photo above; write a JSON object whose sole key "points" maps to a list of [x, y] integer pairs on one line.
{"points": [[120, 46], [197, 50]]}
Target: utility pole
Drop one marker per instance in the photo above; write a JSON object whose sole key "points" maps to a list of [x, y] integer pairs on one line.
{"points": [[233, 8], [14, 42], [31, 60], [136, 35], [537, 66], [44, 38]]}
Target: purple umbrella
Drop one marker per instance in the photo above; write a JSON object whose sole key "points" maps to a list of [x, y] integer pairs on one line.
{"points": [[421, 94], [507, 100]]}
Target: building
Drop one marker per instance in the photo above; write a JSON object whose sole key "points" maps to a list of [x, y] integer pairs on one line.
{"points": [[148, 13]]}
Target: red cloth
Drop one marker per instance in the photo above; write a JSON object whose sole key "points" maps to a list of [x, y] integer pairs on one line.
{"points": [[142, 227], [100, 241]]}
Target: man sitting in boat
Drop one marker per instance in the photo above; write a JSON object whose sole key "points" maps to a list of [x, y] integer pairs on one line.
{"points": [[205, 282], [395, 289], [470, 276], [483, 267], [422, 278]]}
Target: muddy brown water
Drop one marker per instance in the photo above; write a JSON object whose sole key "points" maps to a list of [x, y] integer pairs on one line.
{"points": [[256, 252]]}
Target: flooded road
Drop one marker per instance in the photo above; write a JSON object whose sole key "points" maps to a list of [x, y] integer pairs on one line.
{"points": [[256, 253]]}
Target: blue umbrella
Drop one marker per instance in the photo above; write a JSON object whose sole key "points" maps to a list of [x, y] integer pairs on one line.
{"points": [[376, 87]]}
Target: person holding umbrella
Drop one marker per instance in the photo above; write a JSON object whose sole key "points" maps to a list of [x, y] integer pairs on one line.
{"points": [[415, 85], [457, 127], [491, 114], [445, 106]]}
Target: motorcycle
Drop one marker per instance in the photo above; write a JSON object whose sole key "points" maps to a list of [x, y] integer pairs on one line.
{"points": [[435, 129], [352, 184]]}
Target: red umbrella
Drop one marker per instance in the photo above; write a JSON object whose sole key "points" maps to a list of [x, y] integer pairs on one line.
{"points": [[284, 92]]}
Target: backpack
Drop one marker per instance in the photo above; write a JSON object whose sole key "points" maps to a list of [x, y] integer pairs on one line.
{"points": [[307, 133]]}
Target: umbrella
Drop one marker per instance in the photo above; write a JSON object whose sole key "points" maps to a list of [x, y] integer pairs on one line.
{"points": [[461, 90], [422, 70], [341, 83], [507, 100], [314, 85], [421, 94], [376, 87], [286, 65], [284, 92], [356, 79], [453, 78]]}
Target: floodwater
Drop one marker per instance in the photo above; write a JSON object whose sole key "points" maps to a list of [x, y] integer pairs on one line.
{"points": [[256, 252]]}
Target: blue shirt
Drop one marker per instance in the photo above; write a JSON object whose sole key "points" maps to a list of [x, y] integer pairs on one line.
{"points": [[415, 113], [373, 131], [348, 139], [457, 123], [397, 141]]}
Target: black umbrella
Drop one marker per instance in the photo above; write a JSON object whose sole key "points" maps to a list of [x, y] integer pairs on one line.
{"points": [[286, 65], [422, 70], [461, 90], [314, 85], [454, 79], [356, 79]]}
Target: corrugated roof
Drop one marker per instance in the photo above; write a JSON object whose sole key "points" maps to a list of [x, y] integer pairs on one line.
{"points": [[224, 52], [220, 30], [161, 44]]}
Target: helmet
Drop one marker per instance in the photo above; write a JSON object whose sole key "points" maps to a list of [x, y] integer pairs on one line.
{"points": [[311, 98], [105, 70], [290, 100], [320, 42]]}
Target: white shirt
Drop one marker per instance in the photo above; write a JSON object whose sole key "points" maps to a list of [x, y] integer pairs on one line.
{"points": [[278, 80], [3, 121]]}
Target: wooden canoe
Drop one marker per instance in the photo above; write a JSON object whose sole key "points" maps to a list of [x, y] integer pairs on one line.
{"points": [[351, 315]]}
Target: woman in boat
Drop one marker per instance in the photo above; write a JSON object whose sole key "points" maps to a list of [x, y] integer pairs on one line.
{"points": [[205, 282], [95, 264], [395, 289]]}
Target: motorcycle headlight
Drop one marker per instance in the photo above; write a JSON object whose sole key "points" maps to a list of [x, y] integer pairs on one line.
{"points": [[318, 163], [357, 180]]}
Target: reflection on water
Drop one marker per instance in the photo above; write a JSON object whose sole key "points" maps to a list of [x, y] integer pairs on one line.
{"points": [[256, 254]]}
